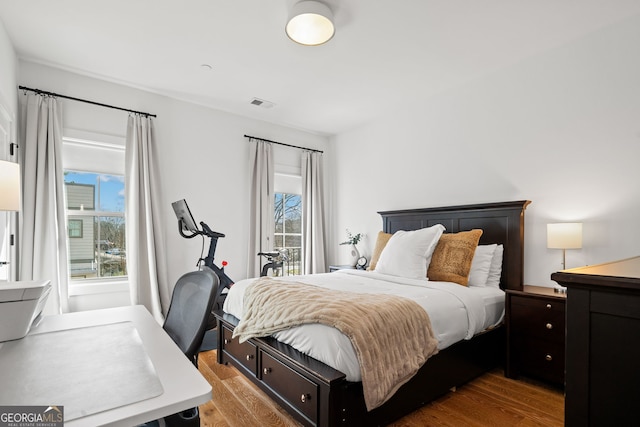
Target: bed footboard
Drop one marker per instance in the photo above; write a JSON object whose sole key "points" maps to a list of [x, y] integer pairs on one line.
{"points": [[317, 395]]}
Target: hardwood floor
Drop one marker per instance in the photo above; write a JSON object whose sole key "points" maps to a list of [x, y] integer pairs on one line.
{"points": [[490, 400]]}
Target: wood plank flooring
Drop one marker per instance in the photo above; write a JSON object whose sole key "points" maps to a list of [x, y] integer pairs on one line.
{"points": [[490, 400]]}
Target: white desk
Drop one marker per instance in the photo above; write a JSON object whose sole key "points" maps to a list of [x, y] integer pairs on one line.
{"points": [[181, 385]]}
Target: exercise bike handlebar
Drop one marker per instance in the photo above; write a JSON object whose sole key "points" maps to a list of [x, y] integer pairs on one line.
{"points": [[208, 232], [225, 281]]}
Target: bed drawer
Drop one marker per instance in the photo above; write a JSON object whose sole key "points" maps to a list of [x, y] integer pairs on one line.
{"points": [[300, 393], [244, 353]]}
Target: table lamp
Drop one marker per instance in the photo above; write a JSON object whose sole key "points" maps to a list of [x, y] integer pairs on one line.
{"points": [[567, 235], [9, 193], [9, 186]]}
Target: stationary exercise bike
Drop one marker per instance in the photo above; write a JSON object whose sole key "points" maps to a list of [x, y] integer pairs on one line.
{"points": [[275, 261], [187, 223]]}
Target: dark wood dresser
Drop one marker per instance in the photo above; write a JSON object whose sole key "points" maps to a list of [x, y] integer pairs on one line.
{"points": [[603, 344], [535, 333]]}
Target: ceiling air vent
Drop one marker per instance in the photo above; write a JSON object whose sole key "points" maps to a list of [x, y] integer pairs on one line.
{"points": [[262, 103]]}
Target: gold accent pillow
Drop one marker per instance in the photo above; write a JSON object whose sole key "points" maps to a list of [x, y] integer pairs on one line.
{"points": [[381, 242], [451, 260]]}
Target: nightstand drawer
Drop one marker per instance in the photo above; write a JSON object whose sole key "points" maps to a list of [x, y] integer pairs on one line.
{"points": [[535, 319], [540, 305], [538, 317], [530, 322], [540, 358]]}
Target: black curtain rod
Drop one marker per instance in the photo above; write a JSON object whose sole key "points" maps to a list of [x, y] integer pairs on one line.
{"points": [[44, 92], [286, 145]]}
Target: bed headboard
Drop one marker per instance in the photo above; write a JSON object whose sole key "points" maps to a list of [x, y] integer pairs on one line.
{"points": [[502, 223]]}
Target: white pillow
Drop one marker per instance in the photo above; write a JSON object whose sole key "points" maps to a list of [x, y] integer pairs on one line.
{"points": [[481, 264], [495, 271], [408, 253]]}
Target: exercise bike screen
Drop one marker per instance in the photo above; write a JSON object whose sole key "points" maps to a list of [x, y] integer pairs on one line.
{"points": [[184, 214]]}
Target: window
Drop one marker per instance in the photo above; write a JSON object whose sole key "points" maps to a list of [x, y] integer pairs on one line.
{"points": [[94, 191], [287, 216], [75, 228], [95, 211], [288, 230]]}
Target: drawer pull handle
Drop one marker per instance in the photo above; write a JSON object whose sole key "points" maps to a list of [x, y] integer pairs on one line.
{"points": [[549, 306], [266, 371], [249, 357], [549, 326], [226, 341], [548, 358], [305, 397]]}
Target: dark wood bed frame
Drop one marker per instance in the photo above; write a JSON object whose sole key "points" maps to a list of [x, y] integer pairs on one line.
{"points": [[318, 395]]}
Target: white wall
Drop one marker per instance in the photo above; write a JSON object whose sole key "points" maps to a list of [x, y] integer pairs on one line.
{"points": [[561, 129], [8, 70], [203, 157]]}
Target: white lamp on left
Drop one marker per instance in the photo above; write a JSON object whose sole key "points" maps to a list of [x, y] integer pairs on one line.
{"points": [[9, 186]]}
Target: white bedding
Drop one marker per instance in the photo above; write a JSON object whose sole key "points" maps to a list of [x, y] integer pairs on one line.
{"points": [[456, 312]]}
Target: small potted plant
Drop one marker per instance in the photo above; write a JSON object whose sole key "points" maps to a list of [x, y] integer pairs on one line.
{"points": [[352, 240]]}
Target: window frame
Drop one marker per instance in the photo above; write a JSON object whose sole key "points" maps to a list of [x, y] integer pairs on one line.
{"points": [[115, 147]]}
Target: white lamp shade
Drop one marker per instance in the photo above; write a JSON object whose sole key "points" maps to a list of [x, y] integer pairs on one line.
{"points": [[9, 186], [310, 23], [566, 235]]}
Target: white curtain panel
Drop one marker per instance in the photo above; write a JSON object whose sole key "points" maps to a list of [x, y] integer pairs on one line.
{"points": [[146, 258], [261, 226], [42, 236], [313, 235]]}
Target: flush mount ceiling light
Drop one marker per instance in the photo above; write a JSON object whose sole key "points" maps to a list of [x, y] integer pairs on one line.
{"points": [[310, 23]]}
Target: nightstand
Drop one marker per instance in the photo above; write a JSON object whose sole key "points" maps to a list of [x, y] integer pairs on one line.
{"points": [[535, 319], [333, 268]]}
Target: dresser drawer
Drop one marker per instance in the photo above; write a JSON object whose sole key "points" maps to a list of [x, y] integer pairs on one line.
{"points": [[537, 318], [540, 358], [301, 393], [244, 353]]}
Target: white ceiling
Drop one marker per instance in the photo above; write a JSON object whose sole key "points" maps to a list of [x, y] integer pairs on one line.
{"points": [[385, 53]]}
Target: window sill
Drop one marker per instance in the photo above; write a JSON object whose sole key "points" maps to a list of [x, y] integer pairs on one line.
{"points": [[98, 287]]}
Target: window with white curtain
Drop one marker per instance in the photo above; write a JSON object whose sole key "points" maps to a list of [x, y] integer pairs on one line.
{"points": [[94, 197], [288, 220]]}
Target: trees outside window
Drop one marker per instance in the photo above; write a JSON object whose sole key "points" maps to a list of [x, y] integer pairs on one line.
{"points": [[288, 230]]}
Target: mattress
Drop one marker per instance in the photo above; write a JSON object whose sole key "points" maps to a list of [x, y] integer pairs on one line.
{"points": [[456, 312]]}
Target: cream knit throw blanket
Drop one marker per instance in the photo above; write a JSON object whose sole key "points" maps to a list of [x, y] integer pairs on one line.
{"points": [[391, 335]]}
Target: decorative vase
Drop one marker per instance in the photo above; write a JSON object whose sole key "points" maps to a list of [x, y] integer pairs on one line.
{"points": [[354, 255]]}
